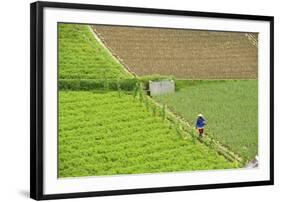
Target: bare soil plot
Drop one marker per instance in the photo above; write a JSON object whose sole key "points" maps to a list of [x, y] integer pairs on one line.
{"points": [[188, 54]]}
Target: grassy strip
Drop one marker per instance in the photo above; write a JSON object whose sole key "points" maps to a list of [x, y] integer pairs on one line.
{"points": [[97, 84], [111, 84]]}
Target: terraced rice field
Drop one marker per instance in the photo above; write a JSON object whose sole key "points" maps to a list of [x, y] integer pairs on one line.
{"points": [[101, 133], [231, 108], [186, 54], [81, 56]]}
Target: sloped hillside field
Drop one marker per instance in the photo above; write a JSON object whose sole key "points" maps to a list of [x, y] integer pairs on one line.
{"points": [[81, 56], [101, 133]]}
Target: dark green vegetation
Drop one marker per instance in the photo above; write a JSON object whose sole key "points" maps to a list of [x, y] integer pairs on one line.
{"points": [[231, 108], [127, 84], [104, 134]]}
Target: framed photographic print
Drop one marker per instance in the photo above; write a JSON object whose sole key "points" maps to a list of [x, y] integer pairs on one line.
{"points": [[135, 100]]}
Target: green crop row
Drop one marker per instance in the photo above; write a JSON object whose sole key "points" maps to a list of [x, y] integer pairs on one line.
{"points": [[107, 83], [97, 84], [105, 134], [230, 107]]}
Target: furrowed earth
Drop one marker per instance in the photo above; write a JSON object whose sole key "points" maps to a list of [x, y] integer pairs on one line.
{"points": [[186, 54]]}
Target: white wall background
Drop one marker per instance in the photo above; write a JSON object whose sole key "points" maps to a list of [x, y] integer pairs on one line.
{"points": [[14, 100]]}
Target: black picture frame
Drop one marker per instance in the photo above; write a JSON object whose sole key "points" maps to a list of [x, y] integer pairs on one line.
{"points": [[36, 98]]}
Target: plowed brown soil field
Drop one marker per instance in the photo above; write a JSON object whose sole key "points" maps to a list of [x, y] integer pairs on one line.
{"points": [[186, 54]]}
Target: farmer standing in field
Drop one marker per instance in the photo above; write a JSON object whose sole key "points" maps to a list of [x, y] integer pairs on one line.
{"points": [[200, 123]]}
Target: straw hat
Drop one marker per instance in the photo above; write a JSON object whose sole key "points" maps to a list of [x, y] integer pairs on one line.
{"points": [[200, 115]]}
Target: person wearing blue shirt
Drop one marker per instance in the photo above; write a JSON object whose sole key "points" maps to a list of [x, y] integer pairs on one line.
{"points": [[200, 123]]}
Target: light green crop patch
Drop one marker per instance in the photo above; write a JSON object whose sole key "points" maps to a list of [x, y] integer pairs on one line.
{"points": [[81, 56], [104, 134]]}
